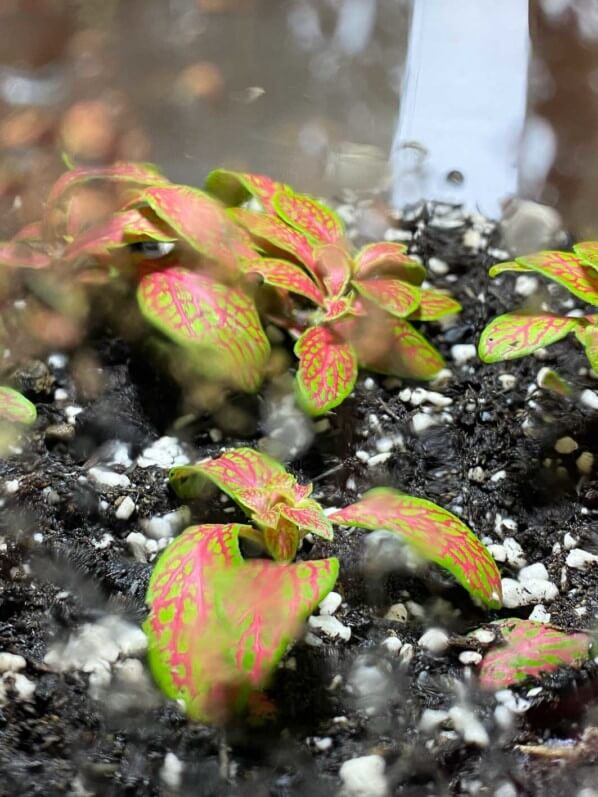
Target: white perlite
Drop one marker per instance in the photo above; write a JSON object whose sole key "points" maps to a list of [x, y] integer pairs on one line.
{"points": [[125, 509], [531, 591], [435, 640], [470, 657], [330, 626], [167, 525], [526, 285], [539, 614], [463, 352], [108, 478], [11, 662], [330, 603], [468, 726], [579, 559], [364, 777], [590, 399], [19, 684], [171, 771], [166, 452]]}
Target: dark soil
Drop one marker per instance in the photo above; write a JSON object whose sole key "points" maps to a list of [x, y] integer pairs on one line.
{"points": [[59, 572]]}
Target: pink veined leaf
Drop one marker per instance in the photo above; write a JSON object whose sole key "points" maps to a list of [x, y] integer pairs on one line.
{"points": [[30, 232], [15, 408], [218, 325], [311, 217], [339, 307], [202, 222], [118, 231], [282, 540], [397, 349], [309, 517], [433, 305], [218, 626], [435, 533], [287, 276], [588, 337], [327, 369], [234, 188], [514, 335], [270, 233], [242, 469], [588, 251], [397, 298], [123, 172], [388, 259], [529, 650], [20, 254], [567, 269], [333, 267]]}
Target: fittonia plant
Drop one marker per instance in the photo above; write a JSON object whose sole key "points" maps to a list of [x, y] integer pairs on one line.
{"points": [[528, 650], [519, 333], [284, 513], [362, 302], [15, 408]]}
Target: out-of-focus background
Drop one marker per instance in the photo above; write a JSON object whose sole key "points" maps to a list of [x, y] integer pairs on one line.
{"points": [[305, 90]]}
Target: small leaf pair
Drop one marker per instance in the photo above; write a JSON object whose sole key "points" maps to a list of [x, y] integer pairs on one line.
{"points": [[528, 650], [272, 498], [362, 299], [219, 625], [517, 334]]}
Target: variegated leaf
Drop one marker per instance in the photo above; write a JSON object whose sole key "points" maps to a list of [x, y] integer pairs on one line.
{"points": [[311, 217], [309, 517], [234, 188], [134, 173], [514, 335], [588, 337], [397, 298], [588, 251], [397, 349], [218, 626], [15, 408], [333, 267], [436, 534], [388, 259], [569, 270], [21, 254], [327, 369], [529, 650], [274, 236], [287, 276], [118, 231], [202, 222], [282, 540], [338, 307], [433, 305], [242, 469], [217, 324], [511, 265]]}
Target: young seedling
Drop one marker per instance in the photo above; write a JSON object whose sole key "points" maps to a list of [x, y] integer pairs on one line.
{"points": [[363, 299], [530, 649], [520, 333], [275, 502], [219, 625]]}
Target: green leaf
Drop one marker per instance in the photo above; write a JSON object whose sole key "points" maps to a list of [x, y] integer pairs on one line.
{"points": [[511, 265], [550, 380], [569, 270], [514, 335], [529, 650], [218, 626], [217, 325], [397, 298], [588, 337], [201, 222], [15, 408], [287, 276], [434, 305], [387, 258], [588, 251], [327, 369], [306, 214], [436, 534], [234, 188]]}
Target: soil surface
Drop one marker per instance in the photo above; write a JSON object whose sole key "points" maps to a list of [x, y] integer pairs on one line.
{"points": [[81, 717]]}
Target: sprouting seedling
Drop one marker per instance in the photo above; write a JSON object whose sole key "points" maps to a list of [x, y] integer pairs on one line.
{"points": [[15, 408], [435, 533], [362, 299], [276, 503], [219, 625], [520, 333], [528, 650]]}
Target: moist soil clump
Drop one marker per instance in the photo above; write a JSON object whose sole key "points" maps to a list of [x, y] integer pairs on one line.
{"points": [[87, 508]]}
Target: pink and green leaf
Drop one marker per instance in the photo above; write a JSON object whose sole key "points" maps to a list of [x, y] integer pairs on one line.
{"points": [[136, 174], [588, 337], [514, 335], [286, 276], [397, 349], [434, 305], [397, 298], [243, 469], [306, 214], [435, 533], [388, 259], [588, 251], [282, 540], [333, 267], [309, 517], [235, 188], [338, 307], [21, 254], [15, 408], [327, 369], [568, 269], [274, 236], [548, 379], [217, 324], [530, 649], [218, 626], [511, 265], [202, 222]]}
